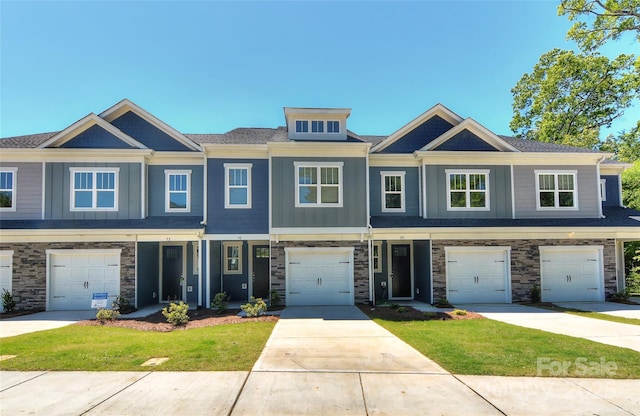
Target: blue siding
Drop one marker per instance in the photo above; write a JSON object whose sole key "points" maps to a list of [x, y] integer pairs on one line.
{"points": [[411, 190], [381, 293], [422, 270], [156, 190], [613, 190], [146, 133], [420, 136], [232, 283], [466, 141], [148, 273], [215, 263], [95, 137], [254, 220], [192, 278]]}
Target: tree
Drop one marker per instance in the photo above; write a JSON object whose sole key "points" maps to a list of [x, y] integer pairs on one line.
{"points": [[568, 97], [626, 146]]}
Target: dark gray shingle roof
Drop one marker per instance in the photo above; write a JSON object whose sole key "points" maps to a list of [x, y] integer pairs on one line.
{"points": [[150, 223], [26, 142], [535, 146]]}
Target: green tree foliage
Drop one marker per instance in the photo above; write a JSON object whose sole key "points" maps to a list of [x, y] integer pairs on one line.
{"points": [[626, 146], [631, 187]]}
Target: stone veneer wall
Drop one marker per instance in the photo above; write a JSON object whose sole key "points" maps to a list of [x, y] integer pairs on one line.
{"points": [[29, 280], [525, 263], [360, 265]]}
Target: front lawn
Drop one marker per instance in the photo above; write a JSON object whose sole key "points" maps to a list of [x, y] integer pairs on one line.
{"points": [[233, 347], [594, 315], [487, 347]]}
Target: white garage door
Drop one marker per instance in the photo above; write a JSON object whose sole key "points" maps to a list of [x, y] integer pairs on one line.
{"points": [[6, 272], [75, 275], [318, 276], [571, 273], [478, 274]]}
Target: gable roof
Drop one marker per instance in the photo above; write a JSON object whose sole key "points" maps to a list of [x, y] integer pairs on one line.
{"points": [[25, 142], [478, 130]]}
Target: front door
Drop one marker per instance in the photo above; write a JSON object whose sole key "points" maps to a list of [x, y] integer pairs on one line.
{"points": [[172, 273], [400, 279], [260, 272]]}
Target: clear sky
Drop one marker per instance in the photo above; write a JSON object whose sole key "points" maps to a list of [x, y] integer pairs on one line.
{"points": [[209, 67]]}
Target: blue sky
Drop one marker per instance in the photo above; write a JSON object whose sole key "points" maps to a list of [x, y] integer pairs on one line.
{"points": [[208, 67]]}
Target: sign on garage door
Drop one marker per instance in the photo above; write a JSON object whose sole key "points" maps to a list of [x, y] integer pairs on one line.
{"points": [[75, 275], [571, 273], [319, 276], [478, 274]]}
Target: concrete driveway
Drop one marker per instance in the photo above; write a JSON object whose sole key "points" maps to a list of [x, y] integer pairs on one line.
{"points": [[605, 332], [42, 321], [608, 308]]}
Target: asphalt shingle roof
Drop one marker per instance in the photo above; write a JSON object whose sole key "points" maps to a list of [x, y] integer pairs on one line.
{"points": [[26, 142], [150, 223]]}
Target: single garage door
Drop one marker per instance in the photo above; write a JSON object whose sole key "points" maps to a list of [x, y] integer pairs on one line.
{"points": [[75, 275], [318, 276], [478, 274], [571, 273]]}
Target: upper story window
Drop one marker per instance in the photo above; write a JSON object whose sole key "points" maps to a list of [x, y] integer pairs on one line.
{"points": [[377, 257], [556, 190], [392, 191], [237, 185], [603, 190], [8, 189], [302, 126], [233, 257], [177, 190], [94, 189], [318, 126], [467, 190], [333, 126], [318, 184]]}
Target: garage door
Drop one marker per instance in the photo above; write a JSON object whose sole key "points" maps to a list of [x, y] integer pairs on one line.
{"points": [[75, 275], [478, 274], [319, 276], [571, 273], [6, 272]]}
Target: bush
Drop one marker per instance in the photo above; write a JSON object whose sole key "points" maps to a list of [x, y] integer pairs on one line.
{"points": [[535, 294], [430, 315], [176, 313], [122, 305], [220, 302], [443, 303], [255, 307], [274, 298], [402, 309], [104, 315], [8, 304], [460, 312], [623, 296]]}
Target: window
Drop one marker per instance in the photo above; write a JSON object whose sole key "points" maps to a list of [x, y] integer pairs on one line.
{"points": [[603, 190], [302, 126], [556, 190], [377, 257], [94, 189], [195, 248], [177, 190], [8, 189], [392, 191], [232, 257], [317, 126], [318, 184], [333, 126], [467, 190], [237, 185]]}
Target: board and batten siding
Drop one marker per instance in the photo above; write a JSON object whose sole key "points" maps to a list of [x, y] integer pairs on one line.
{"points": [[525, 192], [499, 192], [58, 191], [353, 212], [411, 190], [156, 189], [28, 192]]}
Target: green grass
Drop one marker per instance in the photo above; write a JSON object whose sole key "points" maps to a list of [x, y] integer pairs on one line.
{"points": [[233, 347], [486, 347], [594, 315]]}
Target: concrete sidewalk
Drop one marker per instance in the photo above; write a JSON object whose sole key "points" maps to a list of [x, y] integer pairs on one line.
{"points": [[605, 332], [608, 308]]}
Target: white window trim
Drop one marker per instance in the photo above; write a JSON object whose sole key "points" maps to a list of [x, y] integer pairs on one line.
{"points": [[378, 269], [318, 165], [325, 126], [195, 249], [383, 191], [468, 172], [333, 132], [225, 257], [556, 191], [227, 187], [167, 200], [14, 193], [603, 190], [295, 123], [94, 200]]}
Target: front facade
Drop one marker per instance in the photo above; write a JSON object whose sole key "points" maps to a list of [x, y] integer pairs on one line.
{"points": [[120, 202]]}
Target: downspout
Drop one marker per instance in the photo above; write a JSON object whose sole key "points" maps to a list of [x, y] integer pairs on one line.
{"points": [[598, 186], [372, 280]]}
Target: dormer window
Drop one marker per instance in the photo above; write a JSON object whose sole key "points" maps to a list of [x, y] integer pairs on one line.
{"points": [[317, 126], [333, 126], [302, 126]]}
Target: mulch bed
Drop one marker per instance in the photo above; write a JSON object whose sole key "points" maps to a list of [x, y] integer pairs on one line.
{"points": [[406, 313], [198, 318]]}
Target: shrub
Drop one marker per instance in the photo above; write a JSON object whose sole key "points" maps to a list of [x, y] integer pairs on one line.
{"points": [[430, 315], [460, 312], [535, 294], [623, 296], [274, 298], [255, 307], [443, 303], [122, 305], [104, 315], [402, 309], [7, 301], [394, 306], [176, 313], [220, 302]]}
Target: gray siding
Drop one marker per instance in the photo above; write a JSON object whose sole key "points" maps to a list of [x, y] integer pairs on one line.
{"points": [[525, 192], [156, 190], [28, 192], [499, 193], [411, 190], [215, 262], [353, 212], [58, 188]]}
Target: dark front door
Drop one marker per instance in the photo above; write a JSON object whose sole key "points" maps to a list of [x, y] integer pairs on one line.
{"points": [[260, 272], [172, 257], [400, 271]]}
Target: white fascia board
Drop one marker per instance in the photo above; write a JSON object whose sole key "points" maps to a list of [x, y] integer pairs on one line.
{"points": [[99, 235], [437, 110], [74, 155], [507, 158], [236, 151], [236, 237], [175, 158], [125, 105], [318, 149], [476, 128], [614, 169], [513, 233], [388, 160], [314, 111]]}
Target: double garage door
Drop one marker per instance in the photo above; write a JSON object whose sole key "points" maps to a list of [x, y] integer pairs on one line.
{"points": [[319, 276], [75, 275], [571, 273], [478, 274]]}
